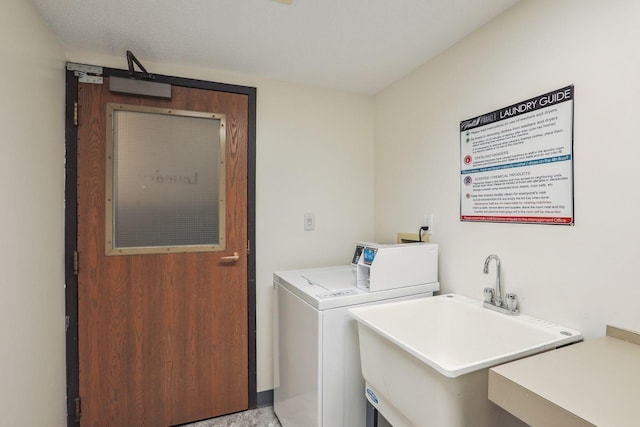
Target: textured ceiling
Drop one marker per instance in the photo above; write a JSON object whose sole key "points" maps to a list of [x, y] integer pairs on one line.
{"points": [[355, 45]]}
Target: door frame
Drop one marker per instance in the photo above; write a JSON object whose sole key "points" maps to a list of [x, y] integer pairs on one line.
{"points": [[71, 226]]}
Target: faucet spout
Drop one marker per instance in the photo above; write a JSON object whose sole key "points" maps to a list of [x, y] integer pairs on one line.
{"points": [[498, 290]]}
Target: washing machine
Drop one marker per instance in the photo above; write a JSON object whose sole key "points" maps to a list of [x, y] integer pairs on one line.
{"points": [[317, 376]]}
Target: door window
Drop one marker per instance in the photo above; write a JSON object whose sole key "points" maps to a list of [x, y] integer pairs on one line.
{"points": [[165, 180]]}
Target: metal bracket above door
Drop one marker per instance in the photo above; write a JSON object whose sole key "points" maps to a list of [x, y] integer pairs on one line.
{"points": [[86, 73]]}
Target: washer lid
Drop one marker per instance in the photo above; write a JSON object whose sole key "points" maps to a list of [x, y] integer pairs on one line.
{"points": [[332, 279]]}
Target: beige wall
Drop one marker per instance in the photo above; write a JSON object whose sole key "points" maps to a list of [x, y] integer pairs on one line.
{"points": [[314, 154], [32, 363], [583, 276]]}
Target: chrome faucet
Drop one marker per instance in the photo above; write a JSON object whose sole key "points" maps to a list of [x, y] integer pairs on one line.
{"points": [[497, 294], [493, 296]]}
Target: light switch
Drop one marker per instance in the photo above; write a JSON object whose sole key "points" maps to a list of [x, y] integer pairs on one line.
{"points": [[309, 222]]}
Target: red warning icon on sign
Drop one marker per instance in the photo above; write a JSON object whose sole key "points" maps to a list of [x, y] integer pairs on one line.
{"points": [[467, 160]]}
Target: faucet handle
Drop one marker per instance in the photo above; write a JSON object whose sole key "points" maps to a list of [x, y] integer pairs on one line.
{"points": [[488, 294], [512, 302]]}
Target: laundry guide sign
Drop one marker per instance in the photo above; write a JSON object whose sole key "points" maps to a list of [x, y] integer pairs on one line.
{"points": [[516, 163]]}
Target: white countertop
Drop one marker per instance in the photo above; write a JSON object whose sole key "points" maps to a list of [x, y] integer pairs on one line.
{"points": [[592, 383]]}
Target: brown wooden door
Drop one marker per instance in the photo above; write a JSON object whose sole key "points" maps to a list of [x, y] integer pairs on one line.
{"points": [[162, 337]]}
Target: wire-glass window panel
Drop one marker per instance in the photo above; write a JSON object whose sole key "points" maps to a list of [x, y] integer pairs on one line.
{"points": [[167, 180]]}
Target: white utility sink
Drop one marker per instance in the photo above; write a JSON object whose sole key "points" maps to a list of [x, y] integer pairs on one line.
{"points": [[425, 361]]}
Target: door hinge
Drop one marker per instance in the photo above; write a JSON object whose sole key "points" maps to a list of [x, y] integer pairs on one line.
{"points": [[78, 409], [75, 113], [76, 262], [248, 247]]}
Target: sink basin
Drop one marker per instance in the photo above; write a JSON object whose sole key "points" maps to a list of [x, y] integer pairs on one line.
{"points": [[425, 361]]}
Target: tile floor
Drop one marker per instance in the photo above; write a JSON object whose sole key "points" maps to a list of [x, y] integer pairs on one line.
{"points": [[261, 417]]}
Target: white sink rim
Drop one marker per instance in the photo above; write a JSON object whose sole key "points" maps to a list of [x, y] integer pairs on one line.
{"points": [[558, 335]]}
